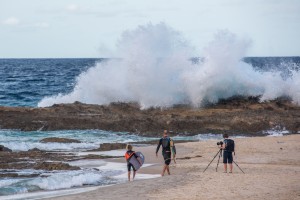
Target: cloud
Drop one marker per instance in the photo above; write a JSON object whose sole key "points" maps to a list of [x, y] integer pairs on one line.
{"points": [[104, 11], [72, 8], [12, 21]]}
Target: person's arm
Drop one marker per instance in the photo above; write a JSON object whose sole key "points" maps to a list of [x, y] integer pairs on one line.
{"points": [[158, 146], [174, 148], [224, 145]]}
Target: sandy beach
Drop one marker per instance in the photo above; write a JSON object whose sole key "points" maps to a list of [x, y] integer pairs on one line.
{"points": [[271, 166]]}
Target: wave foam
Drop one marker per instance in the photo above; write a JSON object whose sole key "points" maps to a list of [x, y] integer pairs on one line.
{"points": [[66, 180], [155, 70], [25, 146]]}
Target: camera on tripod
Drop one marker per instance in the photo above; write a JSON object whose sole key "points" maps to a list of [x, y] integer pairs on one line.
{"points": [[220, 143]]}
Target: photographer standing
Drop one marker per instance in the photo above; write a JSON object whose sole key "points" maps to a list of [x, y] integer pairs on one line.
{"points": [[228, 148]]}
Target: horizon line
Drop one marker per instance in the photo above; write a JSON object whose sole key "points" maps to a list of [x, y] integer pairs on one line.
{"points": [[120, 58]]}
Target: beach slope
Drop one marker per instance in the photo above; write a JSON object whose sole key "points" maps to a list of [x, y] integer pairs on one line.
{"points": [[271, 166]]}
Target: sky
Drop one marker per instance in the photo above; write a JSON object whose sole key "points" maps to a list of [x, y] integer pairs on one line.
{"points": [[91, 28]]}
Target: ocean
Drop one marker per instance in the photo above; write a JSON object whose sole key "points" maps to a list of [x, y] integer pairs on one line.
{"points": [[43, 82], [25, 82]]}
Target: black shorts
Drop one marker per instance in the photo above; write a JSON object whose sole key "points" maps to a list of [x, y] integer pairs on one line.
{"points": [[167, 157], [227, 157], [129, 165]]}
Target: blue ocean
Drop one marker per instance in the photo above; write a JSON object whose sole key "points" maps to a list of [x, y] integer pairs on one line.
{"points": [[24, 82], [44, 82]]}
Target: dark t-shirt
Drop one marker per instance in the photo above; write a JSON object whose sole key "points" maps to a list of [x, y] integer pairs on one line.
{"points": [[229, 145]]}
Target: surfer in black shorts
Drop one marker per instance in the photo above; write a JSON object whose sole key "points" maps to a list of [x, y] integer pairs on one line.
{"points": [[168, 148], [129, 153]]}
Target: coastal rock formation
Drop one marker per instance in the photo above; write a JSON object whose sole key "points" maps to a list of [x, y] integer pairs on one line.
{"points": [[59, 140], [111, 146], [3, 148], [16, 175], [49, 166], [237, 115], [38, 159]]}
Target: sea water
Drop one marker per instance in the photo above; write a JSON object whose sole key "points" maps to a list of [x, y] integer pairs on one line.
{"points": [[92, 172], [25, 82]]}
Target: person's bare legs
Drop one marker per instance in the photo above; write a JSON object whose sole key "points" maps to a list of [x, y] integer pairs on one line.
{"points": [[230, 167], [225, 167], [129, 176], [134, 172], [164, 169], [168, 170]]}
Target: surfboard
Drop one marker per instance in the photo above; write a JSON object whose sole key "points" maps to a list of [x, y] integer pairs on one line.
{"points": [[137, 162]]}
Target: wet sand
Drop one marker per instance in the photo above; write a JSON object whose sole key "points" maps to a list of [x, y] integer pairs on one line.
{"points": [[271, 166]]}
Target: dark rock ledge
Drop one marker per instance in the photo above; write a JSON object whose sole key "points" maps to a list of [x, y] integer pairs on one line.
{"points": [[235, 115]]}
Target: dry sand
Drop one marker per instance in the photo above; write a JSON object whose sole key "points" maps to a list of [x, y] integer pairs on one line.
{"points": [[271, 166]]}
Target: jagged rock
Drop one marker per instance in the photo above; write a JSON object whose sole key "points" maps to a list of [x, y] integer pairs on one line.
{"points": [[111, 146], [59, 140], [55, 166], [34, 149], [93, 156], [253, 117], [3, 148], [16, 175]]}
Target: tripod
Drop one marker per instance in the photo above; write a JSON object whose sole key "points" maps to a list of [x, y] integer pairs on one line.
{"points": [[220, 155]]}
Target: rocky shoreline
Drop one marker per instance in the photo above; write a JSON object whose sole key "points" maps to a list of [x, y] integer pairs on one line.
{"points": [[12, 161], [36, 159], [236, 115]]}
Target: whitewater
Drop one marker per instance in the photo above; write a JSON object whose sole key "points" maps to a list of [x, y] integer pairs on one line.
{"points": [[155, 69]]}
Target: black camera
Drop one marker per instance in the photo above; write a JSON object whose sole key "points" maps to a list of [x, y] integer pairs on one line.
{"points": [[220, 143]]}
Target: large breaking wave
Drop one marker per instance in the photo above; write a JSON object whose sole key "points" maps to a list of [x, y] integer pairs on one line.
{"points": [[156, 69]]}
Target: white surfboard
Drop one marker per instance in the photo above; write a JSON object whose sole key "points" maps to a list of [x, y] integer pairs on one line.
{"points": [[137, 162]]}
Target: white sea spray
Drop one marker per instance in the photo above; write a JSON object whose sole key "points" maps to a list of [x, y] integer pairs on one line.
{"points": [[155, 70]]}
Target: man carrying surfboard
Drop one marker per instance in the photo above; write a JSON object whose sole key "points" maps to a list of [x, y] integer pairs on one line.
{"points": [[168, 148]]}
